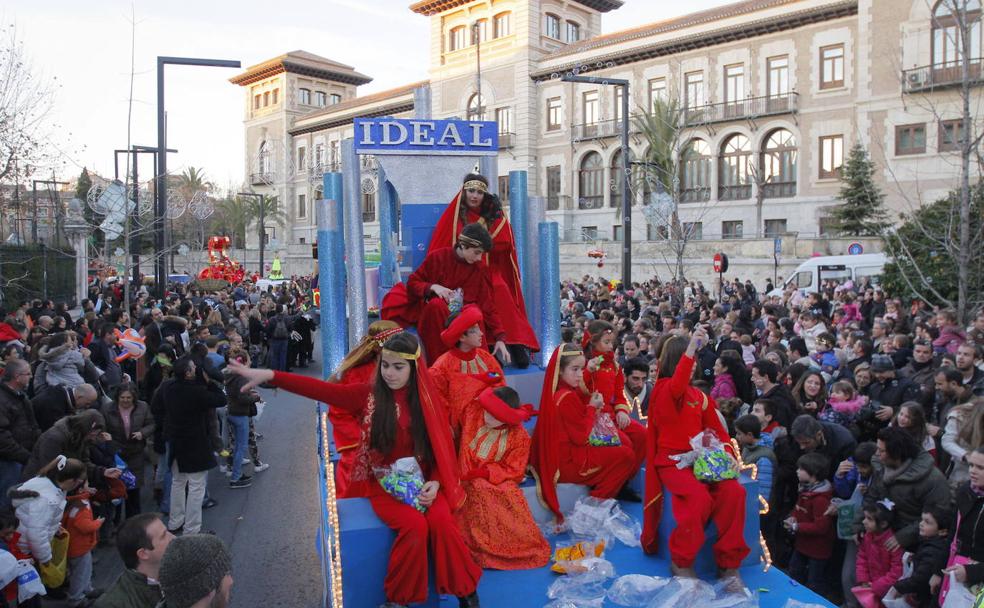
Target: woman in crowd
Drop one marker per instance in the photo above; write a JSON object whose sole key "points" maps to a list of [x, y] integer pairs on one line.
{"points": [[129, 424], [810, 393]]}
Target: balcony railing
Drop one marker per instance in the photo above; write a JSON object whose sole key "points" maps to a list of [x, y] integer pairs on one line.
{"points": [[779, 190], [735, 193], [261, 178], [591, 202], [741, 109], [941, 75], [507, 140], [695, 195], [602, 128]]}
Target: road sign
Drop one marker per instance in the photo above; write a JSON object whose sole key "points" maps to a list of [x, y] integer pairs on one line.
{"points": [[720, 263], [855, 249], [777, 245]]}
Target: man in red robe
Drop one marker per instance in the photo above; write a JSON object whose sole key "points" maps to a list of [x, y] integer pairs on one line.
{"points": [[454, 276]]}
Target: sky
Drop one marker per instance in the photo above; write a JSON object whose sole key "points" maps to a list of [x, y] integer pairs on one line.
{"points": [[85, 49]]}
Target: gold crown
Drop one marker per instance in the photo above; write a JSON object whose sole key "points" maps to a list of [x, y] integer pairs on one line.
{"points": [[475, 184]]}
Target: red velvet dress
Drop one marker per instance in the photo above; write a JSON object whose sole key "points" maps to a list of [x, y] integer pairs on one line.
{"points": [[508, 292], [414, 304], [406, 578], [609, 380], [347, 433], [677, 412]]}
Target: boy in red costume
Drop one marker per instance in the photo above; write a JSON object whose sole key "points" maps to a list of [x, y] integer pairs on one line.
{"points": [[431, 288]]}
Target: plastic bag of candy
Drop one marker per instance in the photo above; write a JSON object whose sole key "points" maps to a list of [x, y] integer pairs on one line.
{"points": [[456, 301], [604, 433], [708, 458], [567, 559], [403, 480]]}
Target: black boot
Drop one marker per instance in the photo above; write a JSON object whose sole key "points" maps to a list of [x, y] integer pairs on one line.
{"points": [[628, 494], [469, 602], [520, 355]]}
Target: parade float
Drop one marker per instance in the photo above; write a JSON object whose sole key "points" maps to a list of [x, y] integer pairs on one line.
{"points": [[221, 270]]}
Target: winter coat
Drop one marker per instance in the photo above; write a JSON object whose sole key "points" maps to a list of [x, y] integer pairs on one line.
{"points": [[949, 340], [764, 459], [39, 517], [18, 429], [724, 387], [131, 590], [814, 530], [188, 407], [104, 358], [65, 365], [951, 433], [240, 403], [129, 449], [970, 534], [838, 445], [786, 408], [83, 529], [877, 565], [58, 441], [51, 405], [913, 486], [930, 558]]}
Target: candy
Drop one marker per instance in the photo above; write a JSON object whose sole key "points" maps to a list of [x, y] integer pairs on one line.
{"points": [[714, 465], [403, 481], [604, 433]]}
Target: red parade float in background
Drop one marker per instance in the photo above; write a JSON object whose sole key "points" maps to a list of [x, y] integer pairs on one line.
{"points": [[220, 265]]}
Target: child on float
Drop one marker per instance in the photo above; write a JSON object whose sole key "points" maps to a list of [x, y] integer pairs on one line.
{"points": [[467, 368], [495, 519], [401, 415], [564, 449], [602, 374], [877, 567], [677, 413]]}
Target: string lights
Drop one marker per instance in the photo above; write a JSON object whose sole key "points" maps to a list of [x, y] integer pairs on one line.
{"points": [[742, 466], [333, 550]]}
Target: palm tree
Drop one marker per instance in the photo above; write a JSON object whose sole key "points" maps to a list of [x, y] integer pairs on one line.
{"points": [[268, 207], [232, 218], [191, 181]]}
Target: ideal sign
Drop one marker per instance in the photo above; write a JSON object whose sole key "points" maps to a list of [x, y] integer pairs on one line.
{"points": [[433, 137]]}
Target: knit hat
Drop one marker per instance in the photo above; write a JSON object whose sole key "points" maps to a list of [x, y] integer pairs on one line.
{"points": [[193, 566], [882, 363]]}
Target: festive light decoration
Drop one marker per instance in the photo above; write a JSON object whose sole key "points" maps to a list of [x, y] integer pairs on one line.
{"points": [[742, 466], [333, 547], [766, 556]]}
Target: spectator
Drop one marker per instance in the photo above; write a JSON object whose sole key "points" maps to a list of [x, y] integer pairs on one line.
{"points": [[922, 369], [810, 393], [637, 386], [765, 411], [130, 424], [40, 515], [64, 362], [878, 566], [278, 333], [930, 557], [963, 434], [141, 542], [18, 428], [967, 359], [756, 448], [83, 535], [55, 402], [887, 393], [73, 436], [951, 336], [810, 524], [196, 572], [242, 408], [765, 374], [970, 536]]}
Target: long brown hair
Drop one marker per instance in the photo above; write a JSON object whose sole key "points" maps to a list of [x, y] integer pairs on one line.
{"points": [[669, 351], [382, 430], [62, 468]]}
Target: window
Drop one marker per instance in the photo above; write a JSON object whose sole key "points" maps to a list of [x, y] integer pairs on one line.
{"points": [[476, 107], [733, 176], [256, 101], [501, 25], [504, 189], [591, 182], [269, 234], [301, 205], [779, 164], [553, 114], [775, 228], [695, 169], [319, 156], [305, 97], [553, 187], [732, 229], [657, 91], [617, 232], [368, 207], [551, 28], [590, 110], [503, 116], [276, 96], [619, 94], [302, 158], [734, 83], [480, 31], [831, 156], [951, 135], [335, 98], [456, 38], [263, 156], [947, 43], [693, 230], [615, 179], [320, 99], [573, 32], [659, 232], [694, 87], [301, 240], [266, 99], [333, 159], [778, 68], [832, 66], [589, 233], [910, 139]]}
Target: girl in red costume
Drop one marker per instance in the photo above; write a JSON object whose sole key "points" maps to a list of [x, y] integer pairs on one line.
{"points": [[358, 367], [475, 204], [562, 452], [678, 412], [602, 374], [402, 416]]}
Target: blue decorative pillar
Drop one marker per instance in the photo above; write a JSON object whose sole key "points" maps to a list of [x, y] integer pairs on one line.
{"points": [[331, 277], [549, 328], [531, 280], [519, 218], [388, 271], [355, 256]]}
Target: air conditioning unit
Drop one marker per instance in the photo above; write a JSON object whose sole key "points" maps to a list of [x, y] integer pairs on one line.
{"points": [[916, 78]]}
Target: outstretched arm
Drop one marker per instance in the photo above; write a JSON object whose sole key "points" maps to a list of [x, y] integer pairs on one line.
{"points": [[350, 397]]}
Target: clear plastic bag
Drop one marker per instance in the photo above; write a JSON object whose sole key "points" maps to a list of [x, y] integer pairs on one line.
{"points": [[732, 593], [604, 433], [710, 461], [683, 592], [791, 603], [635, 590], [621, 525], [594, 518], [584, 584], [403, 480]]}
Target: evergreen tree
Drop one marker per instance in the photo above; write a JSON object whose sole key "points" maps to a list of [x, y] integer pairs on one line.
{"points": [[862, 212], [93, 219]]}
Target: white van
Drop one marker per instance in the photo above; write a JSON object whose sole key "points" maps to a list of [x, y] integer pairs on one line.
{"points": [[839, 267]]}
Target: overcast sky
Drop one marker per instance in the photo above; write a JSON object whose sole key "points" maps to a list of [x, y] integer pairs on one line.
{"points": [[86, 47]]}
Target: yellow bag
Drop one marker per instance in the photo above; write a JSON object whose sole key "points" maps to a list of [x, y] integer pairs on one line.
{"points": [[53, 574]]}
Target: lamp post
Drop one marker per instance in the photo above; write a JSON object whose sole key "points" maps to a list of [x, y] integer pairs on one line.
{"points": [[262, 206], [160, 271], [626, 177]]}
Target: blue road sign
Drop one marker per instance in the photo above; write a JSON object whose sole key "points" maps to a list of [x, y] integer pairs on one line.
{"points": [[855, 249], [778, 245]]}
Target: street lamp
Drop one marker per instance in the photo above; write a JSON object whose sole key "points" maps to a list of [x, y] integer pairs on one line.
{"points": [[262, 206], [160, 270], [626, 178]]}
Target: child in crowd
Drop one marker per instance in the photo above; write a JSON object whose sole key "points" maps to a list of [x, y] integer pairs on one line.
{"points": [[756, 448], [877, 567], [912, 419], [854, 474], [83, 535], [748, 355], [824, 356], [930, 558], [810, 524], [765, 411], [843, 404]]}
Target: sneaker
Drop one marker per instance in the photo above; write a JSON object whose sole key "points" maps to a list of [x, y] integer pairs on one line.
{"points": [[227, 472], [224, 469], [208, 504], [246, 461], [259, 467], [242, 482]]}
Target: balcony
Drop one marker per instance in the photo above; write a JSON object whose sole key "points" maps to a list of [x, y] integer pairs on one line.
{"points": [[591, 202], [600, 129], [262, 178], [507, 140], [940, 75], [695, 195], [779, 190], [751, 107]]}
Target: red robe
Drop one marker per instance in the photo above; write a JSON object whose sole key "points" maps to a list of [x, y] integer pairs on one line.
{"points": [[406, 578], [609, 380], [460, 377], [347, 433], [414, 304], [501, 260]]}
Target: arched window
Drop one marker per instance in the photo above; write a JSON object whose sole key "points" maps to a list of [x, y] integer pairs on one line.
{"points": [[263, 156], [947, 41], [695, 172], [779, 164], [476, 107], [591, 182], [456, 38], [733, 175], [551, 28], [502, 25], [615, 178]]}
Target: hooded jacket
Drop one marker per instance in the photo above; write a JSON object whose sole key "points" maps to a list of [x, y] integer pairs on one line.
{"points": [[814, 530], [18, 427], [39, 517], [65, 365], [912, 486], [930, 558]]}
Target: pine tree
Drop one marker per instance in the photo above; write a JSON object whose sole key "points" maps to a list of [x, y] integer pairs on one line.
{"points": [[93, 219], [862, 212]]}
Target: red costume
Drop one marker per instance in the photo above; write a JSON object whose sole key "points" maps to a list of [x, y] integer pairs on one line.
{"points": [[347, 433], [561, 452], [609, 380], [508, 292], [414, 304], [677, 412], [406, 578], [460, 377]]}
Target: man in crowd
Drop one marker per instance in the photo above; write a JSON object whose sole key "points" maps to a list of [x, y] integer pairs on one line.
{"points": [[56, 402], [18, 429], [922, 370], [142, 542], [637, 387], [196, 572], [765, 376], [968, 356]]}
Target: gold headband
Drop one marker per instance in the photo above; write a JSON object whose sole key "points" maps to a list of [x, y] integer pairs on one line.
{"points": [[467, 241], [406, 356], [576, 351], [475, 184]]}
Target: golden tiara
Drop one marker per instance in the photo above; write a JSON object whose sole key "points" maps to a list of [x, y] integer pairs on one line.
{"points": [[475, 184], [407, 356], [467, 241]]}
